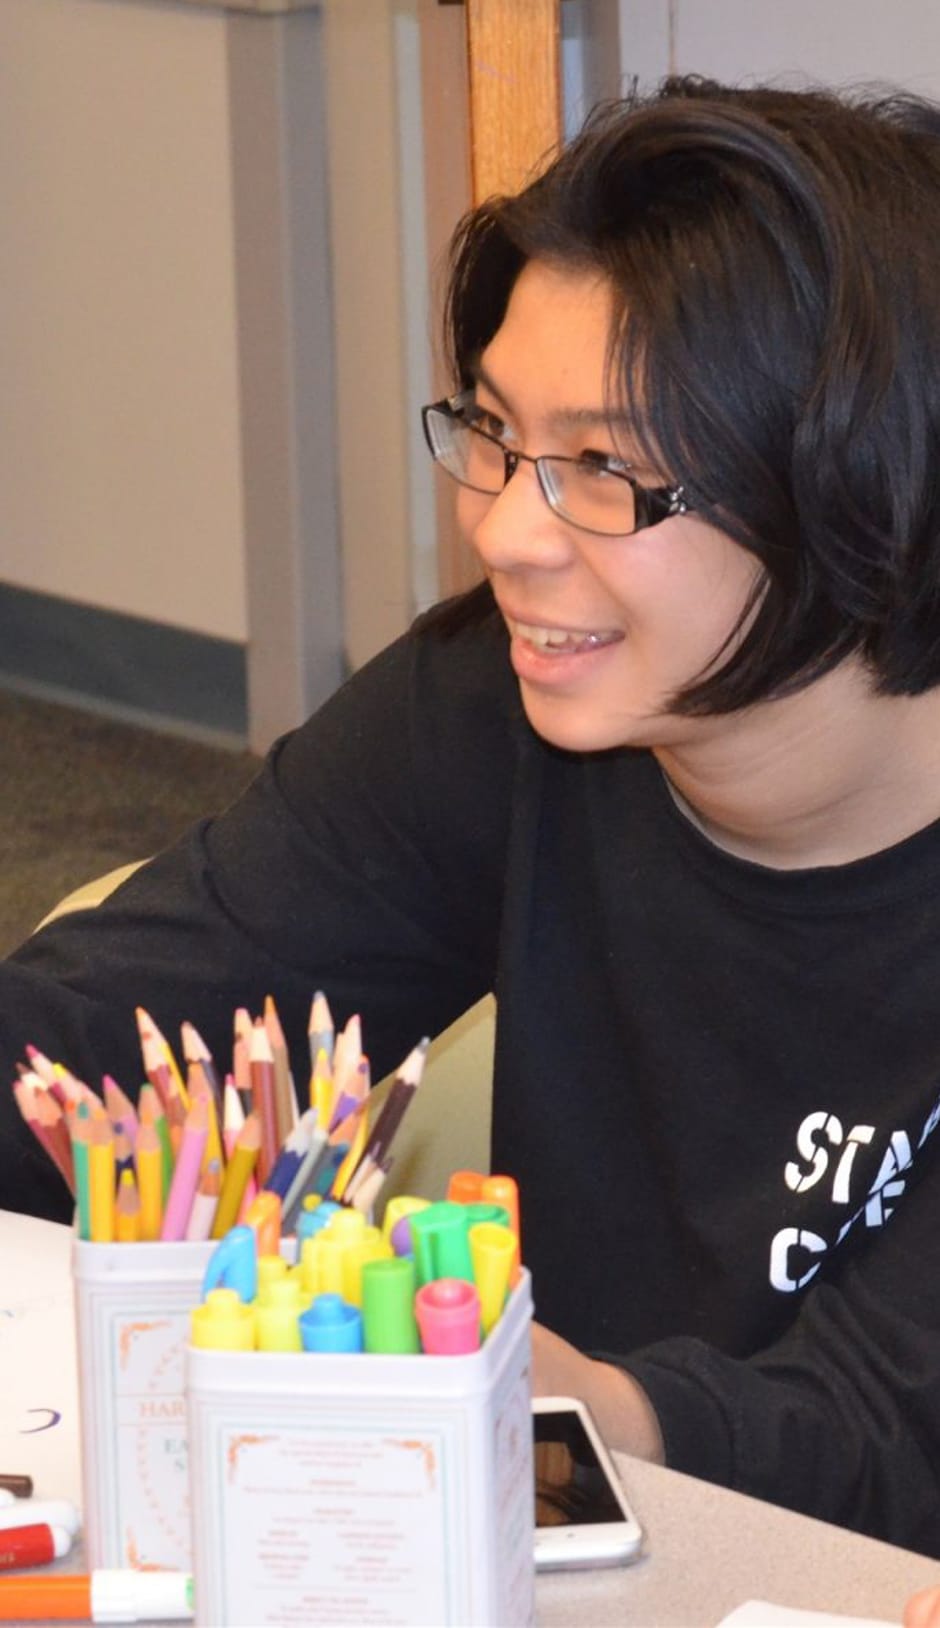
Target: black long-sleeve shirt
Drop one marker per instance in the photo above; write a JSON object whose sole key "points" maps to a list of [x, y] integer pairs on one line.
{"points": [[717, 1084]]}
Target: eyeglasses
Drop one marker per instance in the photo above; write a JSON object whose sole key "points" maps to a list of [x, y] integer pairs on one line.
{"points": [[593, 492]]}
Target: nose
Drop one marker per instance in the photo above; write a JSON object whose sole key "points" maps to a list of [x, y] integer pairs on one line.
{"points": [[516, 529]]}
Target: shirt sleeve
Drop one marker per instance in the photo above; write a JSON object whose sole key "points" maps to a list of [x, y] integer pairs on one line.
{"points": [[366, 859], [840, 1417]]}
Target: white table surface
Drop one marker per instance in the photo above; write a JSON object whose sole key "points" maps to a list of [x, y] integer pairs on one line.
{"points": [[707, 1550]]}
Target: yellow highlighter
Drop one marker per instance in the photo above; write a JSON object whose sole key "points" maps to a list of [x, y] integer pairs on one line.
{"points": [[371, 1246], [277, 1318], [223, 1322], [401, 1205], [493, 1251]]}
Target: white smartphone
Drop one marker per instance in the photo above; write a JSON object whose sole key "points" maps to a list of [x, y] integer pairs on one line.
{"points": [[582, 1518]]}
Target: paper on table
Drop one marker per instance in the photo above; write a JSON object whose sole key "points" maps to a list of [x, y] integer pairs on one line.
{"points": [[761, 1614], [39, 1417]]}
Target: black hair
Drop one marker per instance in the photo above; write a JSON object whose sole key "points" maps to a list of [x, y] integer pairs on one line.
{"points": [[774, 257]]}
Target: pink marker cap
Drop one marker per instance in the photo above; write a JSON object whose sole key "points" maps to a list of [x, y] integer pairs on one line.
{"points": [[448, 1316]]}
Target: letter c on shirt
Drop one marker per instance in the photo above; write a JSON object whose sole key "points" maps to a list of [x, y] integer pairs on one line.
{"points": [[787, 1239]]}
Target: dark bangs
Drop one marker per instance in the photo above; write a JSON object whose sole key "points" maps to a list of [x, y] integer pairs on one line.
{"points": [[772, 260]]}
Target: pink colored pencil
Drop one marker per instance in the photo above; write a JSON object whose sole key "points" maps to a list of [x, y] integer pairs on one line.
{"points": [[186, 1172]]}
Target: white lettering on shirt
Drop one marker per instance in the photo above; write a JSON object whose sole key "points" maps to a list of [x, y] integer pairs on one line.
{"points": [[818, 1137]]}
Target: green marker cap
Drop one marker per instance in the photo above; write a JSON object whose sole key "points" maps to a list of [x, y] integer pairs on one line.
{"points": [[480, 1211], [440, 1235], [388, 1317]]}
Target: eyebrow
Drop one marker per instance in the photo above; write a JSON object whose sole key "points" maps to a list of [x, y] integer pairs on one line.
{"points": [[563, 418]]}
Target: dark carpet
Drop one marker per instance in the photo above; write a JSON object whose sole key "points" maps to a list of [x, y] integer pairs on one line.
{"points": [[80, 794]]}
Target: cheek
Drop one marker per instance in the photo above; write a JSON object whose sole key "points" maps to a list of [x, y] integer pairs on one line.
{"points": [[472, 509]]}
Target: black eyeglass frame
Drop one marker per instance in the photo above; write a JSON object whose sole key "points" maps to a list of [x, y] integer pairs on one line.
{"points": [[651, 503]]}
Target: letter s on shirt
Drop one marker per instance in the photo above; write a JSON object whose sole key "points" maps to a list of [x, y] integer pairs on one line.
{"points": [[811, 1147]]}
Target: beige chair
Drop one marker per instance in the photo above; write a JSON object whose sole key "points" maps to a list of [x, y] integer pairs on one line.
{"points": [[448, 1123]]}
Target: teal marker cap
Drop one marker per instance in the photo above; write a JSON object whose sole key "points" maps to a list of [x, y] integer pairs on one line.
{"points": [[440, 1235], [310, 1222], [388, 1316]]}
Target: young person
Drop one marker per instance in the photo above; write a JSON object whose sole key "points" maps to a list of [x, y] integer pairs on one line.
{"points": [[669, 782]]}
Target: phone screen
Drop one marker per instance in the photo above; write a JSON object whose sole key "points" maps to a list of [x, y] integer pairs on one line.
{"points": [[571, 1489]]}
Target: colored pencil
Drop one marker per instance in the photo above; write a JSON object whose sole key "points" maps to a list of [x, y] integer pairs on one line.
{"points": [[127, 1209], [147, 1029], [205, 1203], [321, 1089], [151, 1113], [150, 1181], [195, 1050], [241, 1050], [43, 1114], [121, 1111], [285, 1096], [243, 1158], [80, 1133], [320, 1033], [186, 1173], [101, 1180], [262, 1094]]}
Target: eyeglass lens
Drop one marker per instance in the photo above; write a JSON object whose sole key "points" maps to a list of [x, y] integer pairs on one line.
{"points": [[588, 494]]}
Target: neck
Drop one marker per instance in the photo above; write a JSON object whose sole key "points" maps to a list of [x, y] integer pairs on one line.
{"points": [[823, 777]]}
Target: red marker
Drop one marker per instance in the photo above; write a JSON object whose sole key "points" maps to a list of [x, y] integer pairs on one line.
{"points": [[32, 1545]]}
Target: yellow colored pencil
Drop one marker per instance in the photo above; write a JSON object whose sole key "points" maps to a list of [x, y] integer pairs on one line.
{"points": [[101, 1180], [150, 1181], [127, 1210], [244, 1157]]}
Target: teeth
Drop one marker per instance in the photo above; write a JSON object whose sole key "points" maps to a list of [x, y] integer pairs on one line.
{"points": [[554, 638]]}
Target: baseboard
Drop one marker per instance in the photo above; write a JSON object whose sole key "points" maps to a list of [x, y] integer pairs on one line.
{"points": [[142, 672]]}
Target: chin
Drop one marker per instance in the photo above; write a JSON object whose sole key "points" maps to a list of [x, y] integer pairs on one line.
{"points": [[574, 727]]}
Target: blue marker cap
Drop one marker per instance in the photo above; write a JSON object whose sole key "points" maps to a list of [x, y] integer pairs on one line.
{"points": [[331, 1324], [310, 1222], [233, 1264]]}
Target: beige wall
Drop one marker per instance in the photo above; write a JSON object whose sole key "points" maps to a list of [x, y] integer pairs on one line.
{"points": [[833, 41], [119, 458]]}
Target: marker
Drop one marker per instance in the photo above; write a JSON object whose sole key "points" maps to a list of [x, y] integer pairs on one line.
{"points": [[41, 1512], [388, 1319], [494, 1251], [263, 1215], [448, 1315], [222, 1323], [313, 1219], [104, 1596], [441, 1243], [32, 1545], [370, 1246], [330, 1325], [233, 1264], [503, 1190], [277, 1317], [465, 1186], [397, 1209]]}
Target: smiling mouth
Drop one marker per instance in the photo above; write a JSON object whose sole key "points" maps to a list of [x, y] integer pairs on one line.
{"points": [[556, 641]]}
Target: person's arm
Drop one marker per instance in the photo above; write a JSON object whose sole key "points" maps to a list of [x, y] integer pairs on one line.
{"points": [[923, 1609], [839, 1418], [344, 866]]}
